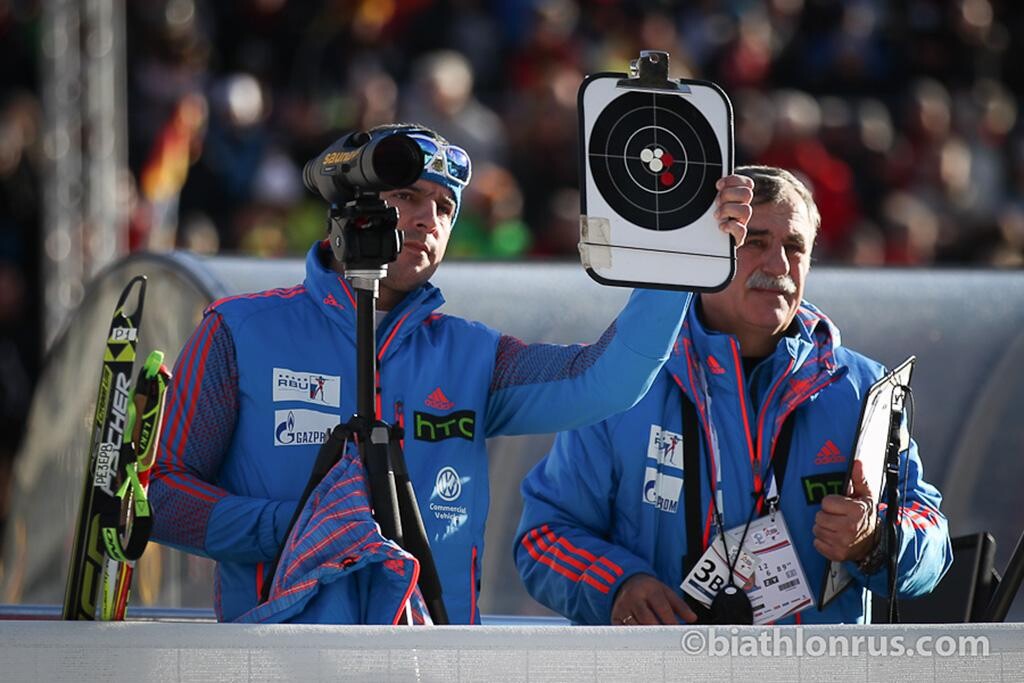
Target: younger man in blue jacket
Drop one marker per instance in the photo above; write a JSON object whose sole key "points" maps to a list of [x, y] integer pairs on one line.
{"points": [[266, 375]]}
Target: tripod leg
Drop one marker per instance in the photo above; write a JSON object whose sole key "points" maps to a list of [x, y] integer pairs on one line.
{"points": [[383, 491], [1002, 600], [416, 541]]}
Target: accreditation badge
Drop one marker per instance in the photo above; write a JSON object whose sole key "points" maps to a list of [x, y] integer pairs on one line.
{"points": [[711, 573], [766, 567]]}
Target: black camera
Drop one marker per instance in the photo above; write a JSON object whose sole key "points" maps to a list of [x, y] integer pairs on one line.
{"points": [[350, 175], [360, 162]]}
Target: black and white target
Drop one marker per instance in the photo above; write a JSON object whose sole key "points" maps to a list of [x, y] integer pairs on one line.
{"points": [[655, 160]]}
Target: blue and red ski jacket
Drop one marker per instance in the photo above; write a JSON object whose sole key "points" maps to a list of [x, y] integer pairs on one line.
{"points": [[587, 529]]}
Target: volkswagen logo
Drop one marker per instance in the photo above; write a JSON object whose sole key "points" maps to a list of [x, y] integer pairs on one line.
{"points": [[448, 484]]}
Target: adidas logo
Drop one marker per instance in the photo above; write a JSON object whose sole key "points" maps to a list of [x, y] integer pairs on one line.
{"points": [[829, 454], [438, 400], [331, 301], [714, 366]]}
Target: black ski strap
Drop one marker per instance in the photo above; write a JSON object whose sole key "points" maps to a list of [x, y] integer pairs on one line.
{"points": [[691, 477]]}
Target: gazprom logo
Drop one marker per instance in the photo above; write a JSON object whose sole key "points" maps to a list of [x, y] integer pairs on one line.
{"points": [[302, 427], [286, 430], [650, 485], [448, 485]]}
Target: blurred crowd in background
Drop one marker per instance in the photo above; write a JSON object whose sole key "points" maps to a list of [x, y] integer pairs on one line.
{"points": [[903, 116]]}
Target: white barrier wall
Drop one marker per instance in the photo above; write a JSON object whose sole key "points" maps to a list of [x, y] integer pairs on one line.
{"points": [[134, 651]]}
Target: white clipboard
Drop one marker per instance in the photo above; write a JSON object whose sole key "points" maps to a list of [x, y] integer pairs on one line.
{"points": [[869, 448]]}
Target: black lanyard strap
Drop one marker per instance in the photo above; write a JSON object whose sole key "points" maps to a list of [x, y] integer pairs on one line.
{"points": [[691, 477], [691, 486]]}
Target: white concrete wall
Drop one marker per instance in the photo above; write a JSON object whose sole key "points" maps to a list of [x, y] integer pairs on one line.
{"points": [[136, 651]]}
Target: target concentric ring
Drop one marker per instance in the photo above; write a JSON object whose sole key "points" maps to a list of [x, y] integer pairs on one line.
{"points": [[655, 160]]}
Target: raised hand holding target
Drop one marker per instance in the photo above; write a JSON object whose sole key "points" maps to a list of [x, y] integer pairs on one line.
{"points": [[652, 150]]}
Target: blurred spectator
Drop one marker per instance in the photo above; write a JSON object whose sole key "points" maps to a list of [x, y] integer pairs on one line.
{"points": [[865, 246], [912, 230], [927, 118], [560, 233], [17, 369], [376, 98], [234, 147], [797, 146], [20, 300], [746, 62], [543, 142], [163, 175], [475, 31], [989, 116], [198, 234], [1008, 249], [442, 98], [490, 224], [169, 53], [260, 229], [754, 112], [555, 36]]}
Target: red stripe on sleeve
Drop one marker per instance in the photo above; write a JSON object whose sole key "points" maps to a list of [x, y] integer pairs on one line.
{"points": [[546, 559]]}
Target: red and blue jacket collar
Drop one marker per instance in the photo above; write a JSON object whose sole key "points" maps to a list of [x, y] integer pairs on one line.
{"points": [[807, 351], [336, 297], [706, 362]]}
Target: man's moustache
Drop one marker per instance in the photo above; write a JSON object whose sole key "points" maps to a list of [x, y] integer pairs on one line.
{"points": [[778, 283]]}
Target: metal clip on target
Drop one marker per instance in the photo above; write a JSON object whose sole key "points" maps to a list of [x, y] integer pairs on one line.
{"points": [[651, 71]]}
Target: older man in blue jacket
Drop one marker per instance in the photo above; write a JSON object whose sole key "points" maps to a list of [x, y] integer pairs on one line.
{"points": [[604, 537]]}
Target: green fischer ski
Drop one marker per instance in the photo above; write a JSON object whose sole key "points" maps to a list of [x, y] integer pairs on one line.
{"points": [[126, 534], [109, 429]]}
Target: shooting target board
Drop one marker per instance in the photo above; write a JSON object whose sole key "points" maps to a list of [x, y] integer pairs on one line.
{"points": [[650, 159]]}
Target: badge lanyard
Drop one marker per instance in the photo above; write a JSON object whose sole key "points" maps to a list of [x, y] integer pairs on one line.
{"points": [[731, 595]]}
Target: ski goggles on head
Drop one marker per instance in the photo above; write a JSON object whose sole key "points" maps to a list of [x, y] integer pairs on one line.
{"points": [[444, 159]]}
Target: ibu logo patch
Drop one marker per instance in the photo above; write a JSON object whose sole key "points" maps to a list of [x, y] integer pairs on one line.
{"points": [[458, 425], [308, 387], [666, 447], [817, 486]]}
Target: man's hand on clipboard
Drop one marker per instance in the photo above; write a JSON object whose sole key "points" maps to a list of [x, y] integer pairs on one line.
{"points": [[846, 527]]}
